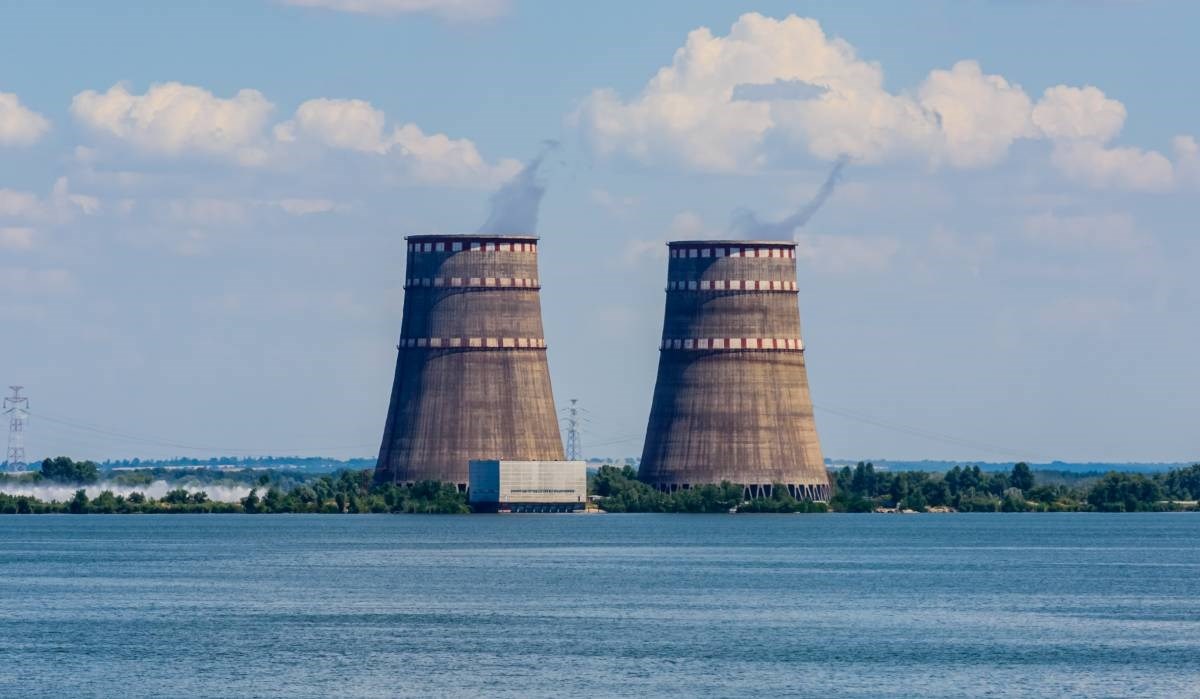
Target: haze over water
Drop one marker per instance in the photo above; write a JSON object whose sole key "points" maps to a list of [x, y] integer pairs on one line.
{"points": [[635, 605]]}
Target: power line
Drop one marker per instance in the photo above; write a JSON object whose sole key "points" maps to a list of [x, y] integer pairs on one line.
{"points": [[918, 432], [152, 441], [574, 446], [16, 407]]}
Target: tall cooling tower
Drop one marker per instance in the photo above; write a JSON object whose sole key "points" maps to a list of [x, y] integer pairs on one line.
{"points": [[471, 380], [732, 402]]}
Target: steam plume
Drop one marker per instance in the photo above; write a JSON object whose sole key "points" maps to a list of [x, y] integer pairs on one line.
{"points": [[156, 490], [514, 207], [748, 225]]}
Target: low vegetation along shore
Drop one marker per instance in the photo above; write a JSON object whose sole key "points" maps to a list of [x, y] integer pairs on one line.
{"points": [[859, 489]]}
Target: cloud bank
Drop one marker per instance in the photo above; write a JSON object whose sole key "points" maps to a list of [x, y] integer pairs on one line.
{"points": [[172, 120], [176, 119], [355, 125], [19, 125], [736, 103]]}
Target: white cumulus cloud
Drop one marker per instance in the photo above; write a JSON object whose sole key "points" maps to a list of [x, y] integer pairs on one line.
{"points": [[355, 125], [733, 103], [1106, 167], [19, 125], [60, 206], [173, 119], [979, 116], [350, 124], [694, 110], [177, 119], [1071, 113], [447, 9], [1187, 157]]}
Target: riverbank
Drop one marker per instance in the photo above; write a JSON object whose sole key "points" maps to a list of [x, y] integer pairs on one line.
{"points": [[616, 490]]}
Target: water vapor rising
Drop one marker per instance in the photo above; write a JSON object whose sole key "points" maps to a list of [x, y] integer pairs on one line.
{"points": [[156, 490], [514, 207], [747, 224]]}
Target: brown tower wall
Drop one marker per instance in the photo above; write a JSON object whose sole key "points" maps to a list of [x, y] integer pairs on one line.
{"points": [[732, 402], [471, 379]]}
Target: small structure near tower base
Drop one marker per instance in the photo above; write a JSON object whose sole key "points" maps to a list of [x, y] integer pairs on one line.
{"points": [[527, 486]]}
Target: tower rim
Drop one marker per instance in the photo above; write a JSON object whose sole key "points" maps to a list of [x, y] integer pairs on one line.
{"points": [[680, 243], [471, 236]]}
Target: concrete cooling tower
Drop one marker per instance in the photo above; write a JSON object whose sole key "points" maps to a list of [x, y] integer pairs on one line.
{"points": [[731, 402], [472, 380]]}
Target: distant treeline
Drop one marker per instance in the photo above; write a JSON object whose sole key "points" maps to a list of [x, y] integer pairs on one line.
{"points": [[858, 489], [1097, 467], [344, 492], [619, 490], [971, 489], [298, 463], [64, 470], [963, 489]]}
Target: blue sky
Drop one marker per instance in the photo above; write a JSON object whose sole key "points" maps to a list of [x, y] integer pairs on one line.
{"points": [[202, 209]]}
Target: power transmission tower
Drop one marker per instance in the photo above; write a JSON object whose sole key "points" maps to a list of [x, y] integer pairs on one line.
{"points": [[16, 407], [574, 446]]}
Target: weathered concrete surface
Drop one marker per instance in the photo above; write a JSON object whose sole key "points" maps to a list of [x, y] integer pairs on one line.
{"points": [[722, 412], [472, 396]]}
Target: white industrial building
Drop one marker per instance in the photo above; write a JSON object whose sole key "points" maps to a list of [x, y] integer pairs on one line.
{"points": [[528, 486]]}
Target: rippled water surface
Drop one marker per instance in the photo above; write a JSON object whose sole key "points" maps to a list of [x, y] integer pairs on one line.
{"points": [[606, 605]]}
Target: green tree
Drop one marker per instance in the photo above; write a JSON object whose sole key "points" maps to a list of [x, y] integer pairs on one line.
{"points": [[273, 500], [936, 493], [1182, 483], [105, 503], [63, 470], [1022, 477], [178, 496], [863, 482], [79, 503], [1124, 492]]}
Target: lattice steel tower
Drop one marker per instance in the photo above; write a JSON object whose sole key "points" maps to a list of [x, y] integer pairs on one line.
{"points": [[574, 446], [16, 407]]}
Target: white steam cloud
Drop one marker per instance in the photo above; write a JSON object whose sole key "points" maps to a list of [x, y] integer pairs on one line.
{"points": [[747, 224], [155, 490], [514, 207]]}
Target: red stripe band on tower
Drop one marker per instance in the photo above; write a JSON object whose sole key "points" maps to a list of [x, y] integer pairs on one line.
{"points": [[471, 342], [732, 285], [481, 245], [472, 282], [734, 251], [733, 343]]}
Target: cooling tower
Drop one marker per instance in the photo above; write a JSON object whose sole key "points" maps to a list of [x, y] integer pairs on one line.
{"points": [[471, 378], [731, 402]]}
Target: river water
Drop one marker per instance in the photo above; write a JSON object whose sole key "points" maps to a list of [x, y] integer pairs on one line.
{"points": [[604, 605]]}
